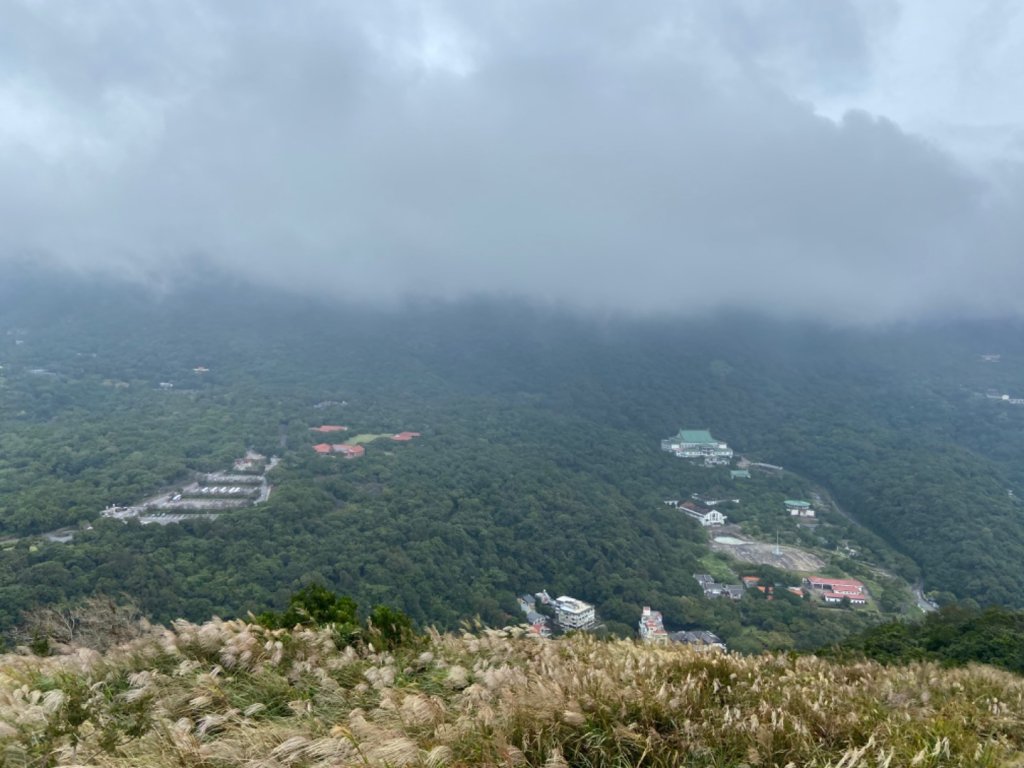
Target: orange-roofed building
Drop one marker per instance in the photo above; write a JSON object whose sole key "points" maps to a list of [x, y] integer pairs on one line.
{"points": [[322, 448], [330, 428], [405, 436], [349, 451]]}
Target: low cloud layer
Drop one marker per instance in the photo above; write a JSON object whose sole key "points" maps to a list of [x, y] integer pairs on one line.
{"points": [[779, 156]]}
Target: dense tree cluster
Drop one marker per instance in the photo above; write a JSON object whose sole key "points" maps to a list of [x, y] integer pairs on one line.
{"points": [[538, 466], [954, 636]]}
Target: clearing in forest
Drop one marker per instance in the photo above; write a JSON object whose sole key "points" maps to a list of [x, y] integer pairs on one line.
{"points": [[368, 438], [785, 557]]}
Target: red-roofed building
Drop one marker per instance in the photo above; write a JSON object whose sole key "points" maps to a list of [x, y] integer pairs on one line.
{"points": [[322, 448], [405, 436], [839, 586], [652, 629], [349, 451], [329, 428], [837, 590]]}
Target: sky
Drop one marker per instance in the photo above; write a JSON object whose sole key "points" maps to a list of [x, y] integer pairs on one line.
{"points": [[854, 162]]}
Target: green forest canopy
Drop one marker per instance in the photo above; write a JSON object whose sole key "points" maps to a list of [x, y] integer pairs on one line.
{"points": [[538, 466]]}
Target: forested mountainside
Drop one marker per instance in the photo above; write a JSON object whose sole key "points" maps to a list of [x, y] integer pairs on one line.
{"points": [[538, 464], [237, 694]]}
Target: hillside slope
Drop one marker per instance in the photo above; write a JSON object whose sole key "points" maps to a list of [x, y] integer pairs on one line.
{"points": [[233, 694]]}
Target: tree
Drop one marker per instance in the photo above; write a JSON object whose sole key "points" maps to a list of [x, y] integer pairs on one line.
{"points": [[388, 628], [314, 605], [99, 622]]}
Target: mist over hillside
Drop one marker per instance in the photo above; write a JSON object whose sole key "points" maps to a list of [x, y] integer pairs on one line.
{"points": [[681, 157]]}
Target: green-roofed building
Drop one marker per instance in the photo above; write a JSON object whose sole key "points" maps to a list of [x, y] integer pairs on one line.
{"points": [[739, 474], [697, 444], [695, 436]]}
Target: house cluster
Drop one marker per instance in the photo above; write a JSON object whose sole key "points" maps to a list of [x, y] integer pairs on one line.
{"points": [[343, 449], [698, 444], [570, 613], [652, 630], [799, 508], [834, 591], [652, 627], [354, 448], [713, 589], [705, 516], [537, 622], [754, 582]]}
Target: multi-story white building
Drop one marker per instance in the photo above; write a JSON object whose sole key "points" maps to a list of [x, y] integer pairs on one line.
{"points": [[652, 629], [571, 613], [697, 444], [703, 515]]}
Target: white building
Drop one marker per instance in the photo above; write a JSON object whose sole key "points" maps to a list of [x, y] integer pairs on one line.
{"points": [[571, 613], [652, 629], [697, 444], [704, 516], [798, 508]]}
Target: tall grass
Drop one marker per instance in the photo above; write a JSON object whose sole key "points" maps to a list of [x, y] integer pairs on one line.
{"points": [[233, 694]]}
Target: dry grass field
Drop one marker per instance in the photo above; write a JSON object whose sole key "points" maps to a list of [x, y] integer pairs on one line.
{"points": [[232, 694]]}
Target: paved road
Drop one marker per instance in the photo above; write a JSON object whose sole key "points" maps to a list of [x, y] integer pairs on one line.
{"points": [[926, 605]]}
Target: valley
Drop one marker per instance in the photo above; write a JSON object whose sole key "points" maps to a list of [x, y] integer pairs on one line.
{"points": [[558, 433]]}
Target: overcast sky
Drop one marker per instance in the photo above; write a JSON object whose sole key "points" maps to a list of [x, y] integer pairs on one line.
{"points": [[854, 161]]}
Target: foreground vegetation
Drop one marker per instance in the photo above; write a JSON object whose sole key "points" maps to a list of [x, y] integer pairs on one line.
{"points": [[231, 693]]}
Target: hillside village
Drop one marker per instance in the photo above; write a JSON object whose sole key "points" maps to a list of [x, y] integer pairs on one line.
{"points": [[548, 617], [354, 447], [734, 526]]}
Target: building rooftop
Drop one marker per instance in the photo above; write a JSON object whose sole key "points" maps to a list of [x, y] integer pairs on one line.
{"points": [[695, 436], [837, 584], [797, 503], [571, 604], [349, 450], [696, 637]]}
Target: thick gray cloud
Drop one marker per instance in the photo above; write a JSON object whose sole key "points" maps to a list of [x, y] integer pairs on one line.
{"points": [[671, 155]]}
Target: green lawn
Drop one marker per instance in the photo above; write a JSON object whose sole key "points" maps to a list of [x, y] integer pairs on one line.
{"points": [[368, 438]]}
